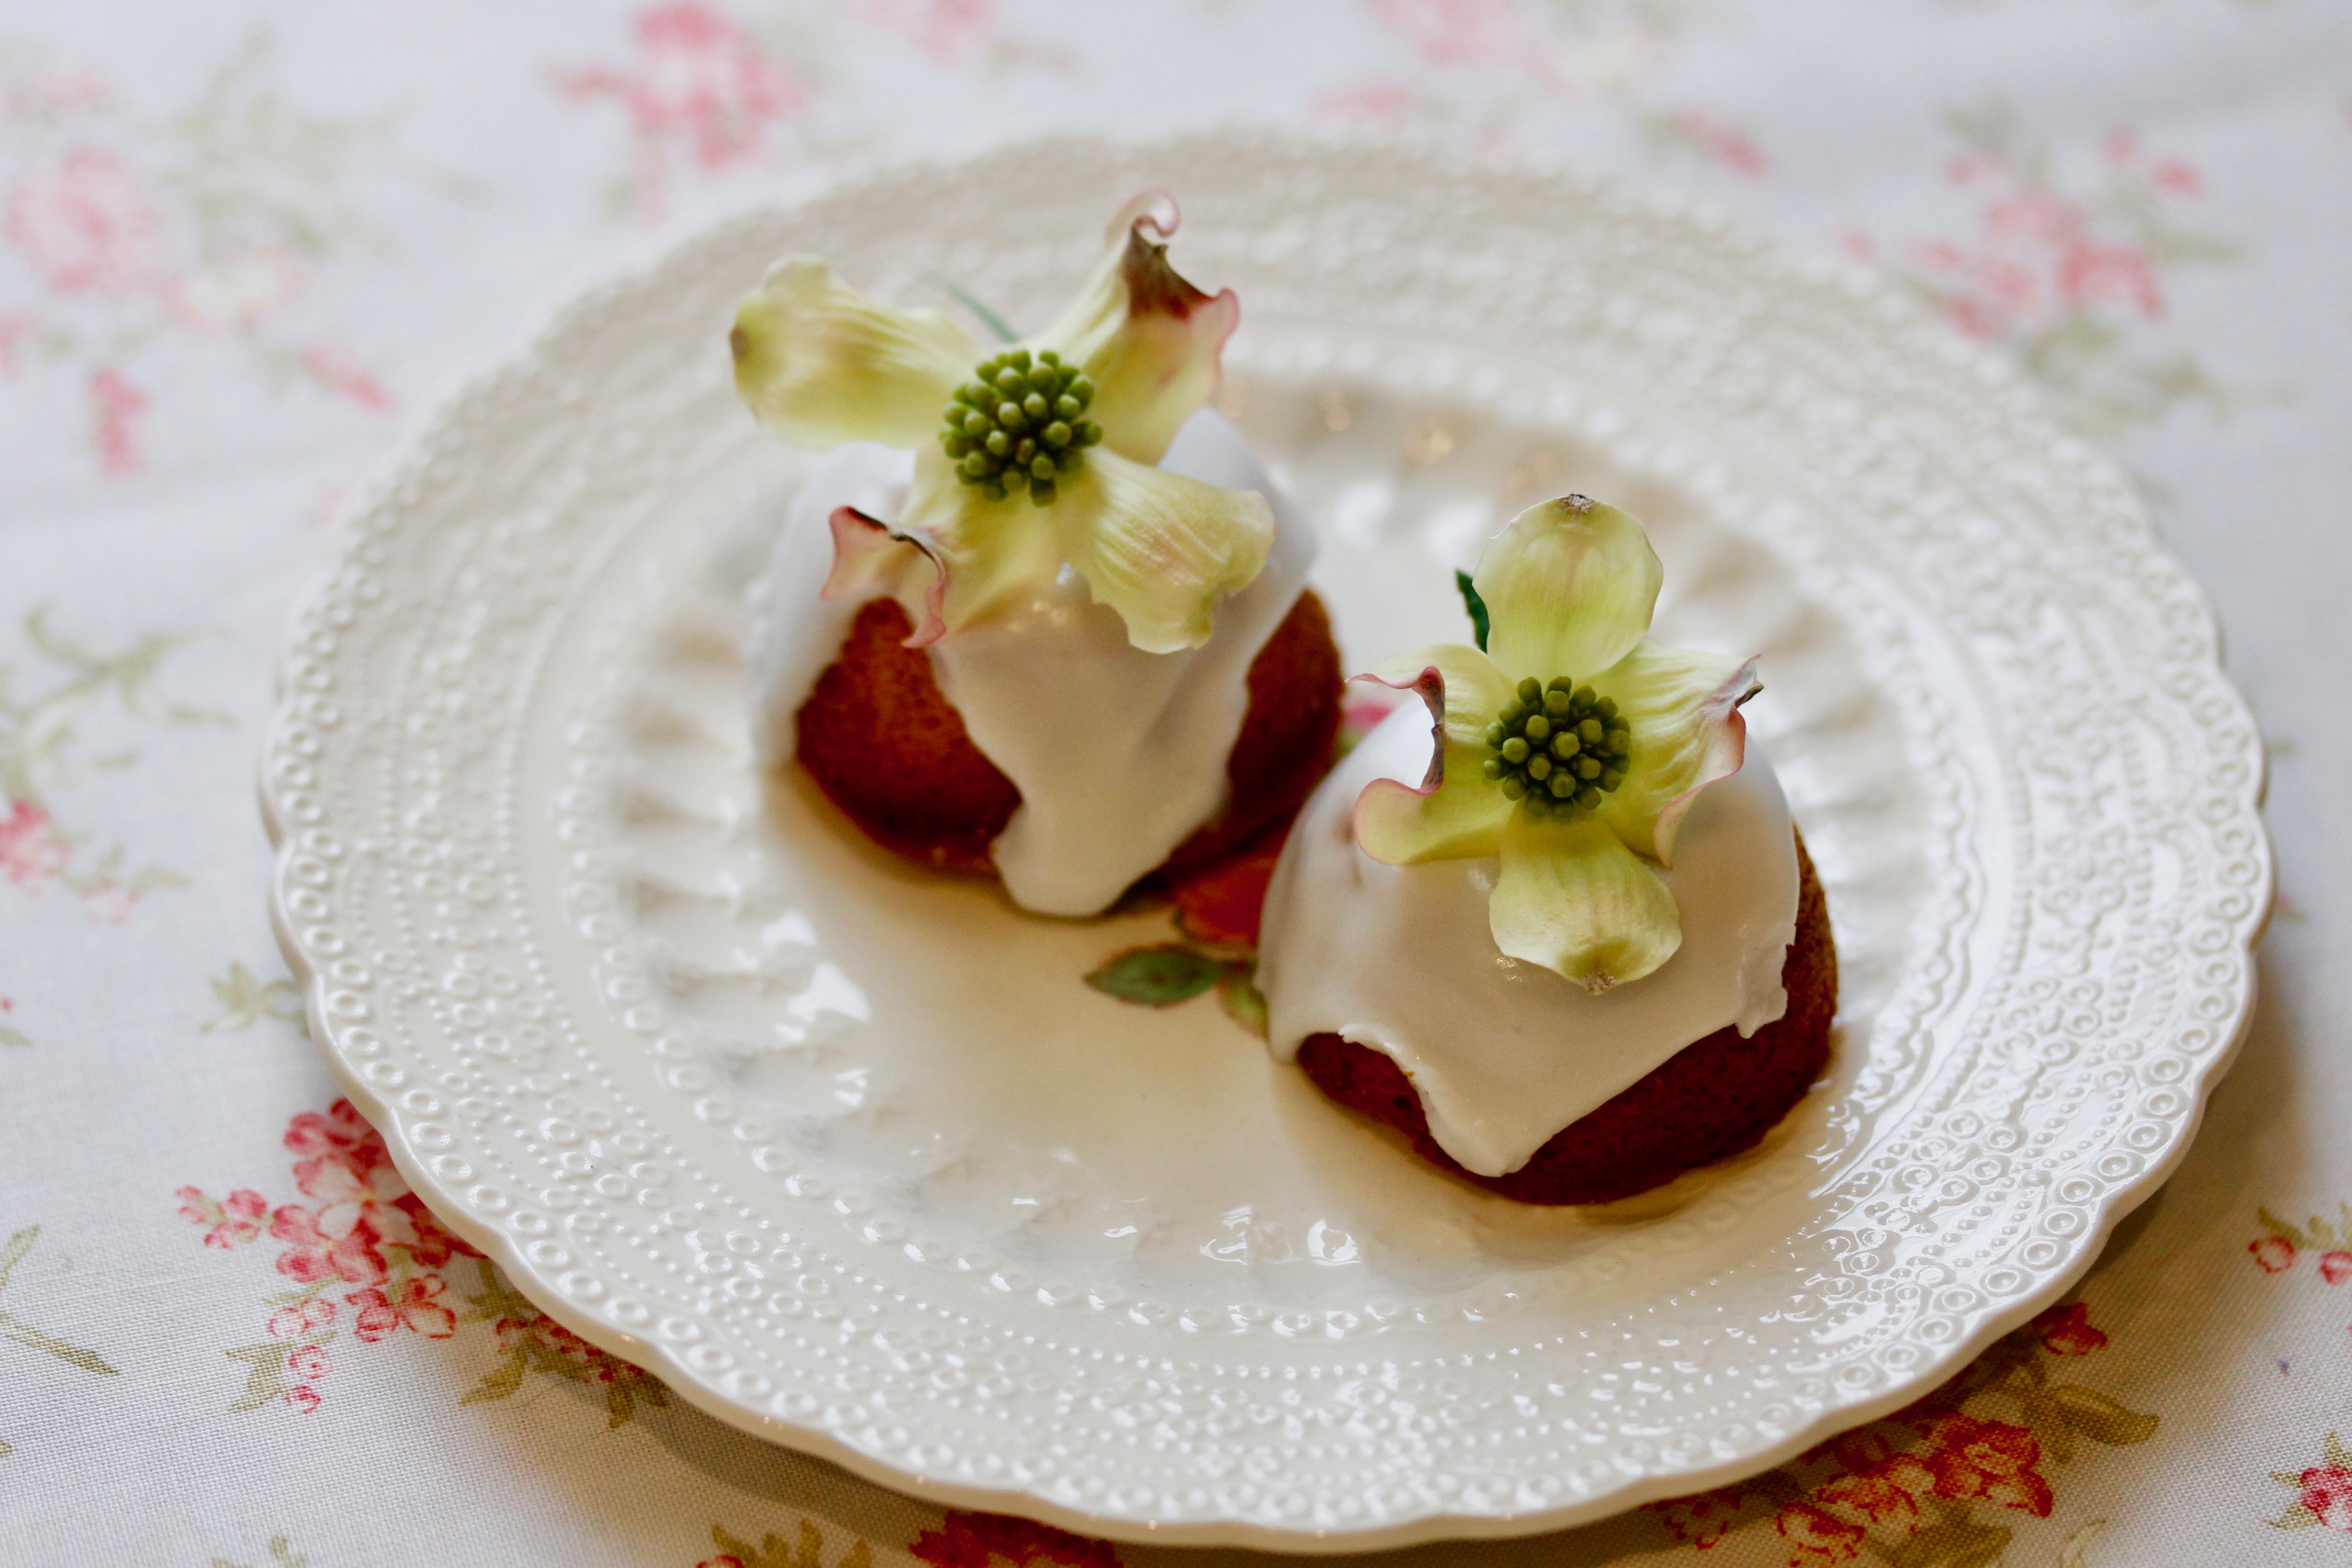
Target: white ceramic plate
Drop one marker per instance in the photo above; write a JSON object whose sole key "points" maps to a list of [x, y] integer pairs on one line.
{"points": [[853, 1159]]}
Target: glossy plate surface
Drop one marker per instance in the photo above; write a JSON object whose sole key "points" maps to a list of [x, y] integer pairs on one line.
{"points": [[854, 1159]]}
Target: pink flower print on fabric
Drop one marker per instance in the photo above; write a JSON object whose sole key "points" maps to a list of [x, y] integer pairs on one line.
{"points": [[416, 1306], [86, 225], [946, 30], [2274, 1254], [116, 408], [2326, 1491], [237, 1219], [700, 87], [1457, 32], [32, 851]]}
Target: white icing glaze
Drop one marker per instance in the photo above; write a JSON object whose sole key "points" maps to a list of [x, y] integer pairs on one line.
{"points": [[1118, 755], [1505, 1054]]}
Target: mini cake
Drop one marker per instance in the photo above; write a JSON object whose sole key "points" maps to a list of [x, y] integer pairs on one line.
{"points": [[1039, 611], [1565, 937]]}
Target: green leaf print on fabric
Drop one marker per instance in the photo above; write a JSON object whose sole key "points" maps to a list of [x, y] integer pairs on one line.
{"points": [[531, 1341], [11, 1253], [281, 1553], [244, 1000], [40, 754], [773, 1552]]}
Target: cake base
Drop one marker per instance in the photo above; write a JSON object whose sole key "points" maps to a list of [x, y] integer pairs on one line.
{"points": [[1714, 1097], [889, 749]]}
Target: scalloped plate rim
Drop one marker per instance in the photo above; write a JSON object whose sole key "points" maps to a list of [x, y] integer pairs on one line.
{"points": [[644, 257]]}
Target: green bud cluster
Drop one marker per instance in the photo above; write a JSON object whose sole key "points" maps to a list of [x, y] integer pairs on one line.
{"points": [[1018, 424], [1558, 747]]}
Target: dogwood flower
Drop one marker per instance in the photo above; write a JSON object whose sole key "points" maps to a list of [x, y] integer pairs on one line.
{"points": [[1029, 458], [1568, 743]]}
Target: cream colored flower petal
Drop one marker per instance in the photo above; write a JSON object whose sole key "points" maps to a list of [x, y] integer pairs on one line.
{"points": [[868, 552], [1683, 710], [1151, 341], [1160, 549], [1456, 813], [990, 552], [822, 364], [1573, 899], [1569, 587]]}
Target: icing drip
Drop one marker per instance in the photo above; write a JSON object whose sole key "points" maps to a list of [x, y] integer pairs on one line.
{"points": [[1505, 1054], [1118, 755]]}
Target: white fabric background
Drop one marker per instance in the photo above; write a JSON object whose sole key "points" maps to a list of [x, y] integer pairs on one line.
{"points": [[240, 245]]}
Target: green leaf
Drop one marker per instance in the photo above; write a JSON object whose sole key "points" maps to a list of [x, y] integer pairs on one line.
{"points": [[2280, 1227], [2098, 1417], [499, 1382], [989, 319], [13, 1253], [1158, 976], [618, 1407], [1475, 605], [2336, 1455], [1957, 1543], [1244, 1002], [2070, 1555], [2296, 1517], [26, 1335], [2051, 1424], [267, 1381], [9, 1036]]}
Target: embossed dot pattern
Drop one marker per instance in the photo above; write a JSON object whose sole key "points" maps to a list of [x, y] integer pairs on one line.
{"points": [[2048, 937]]}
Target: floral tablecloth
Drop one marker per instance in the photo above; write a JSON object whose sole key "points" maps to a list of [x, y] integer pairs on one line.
{"points": [[240, 242]]}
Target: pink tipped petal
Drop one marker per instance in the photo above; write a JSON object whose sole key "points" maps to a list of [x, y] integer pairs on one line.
{"points": [[1152, 208], [1573, 899], [1456, 813], [1569, 586], [1429, 687], [821, 365], [1472, 690], [1683, 709], [866, 552], [1151, 341]]}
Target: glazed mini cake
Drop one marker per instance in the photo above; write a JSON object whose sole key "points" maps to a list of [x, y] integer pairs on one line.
{"points": [[1557, 927], [1039, 612]]}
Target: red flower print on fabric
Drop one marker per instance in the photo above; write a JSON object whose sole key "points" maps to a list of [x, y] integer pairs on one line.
{"points": [[1815, 1535], [991, 1539], [2067, 1331], [1989, 1459], [1940, 1473]]}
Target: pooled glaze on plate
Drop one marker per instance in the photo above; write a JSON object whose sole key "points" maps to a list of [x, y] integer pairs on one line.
{"points": [[1118, 755], [1505, 1053]]}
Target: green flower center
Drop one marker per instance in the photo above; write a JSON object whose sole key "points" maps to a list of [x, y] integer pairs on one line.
{"points": [[1558, 747], [1016, 424]]}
